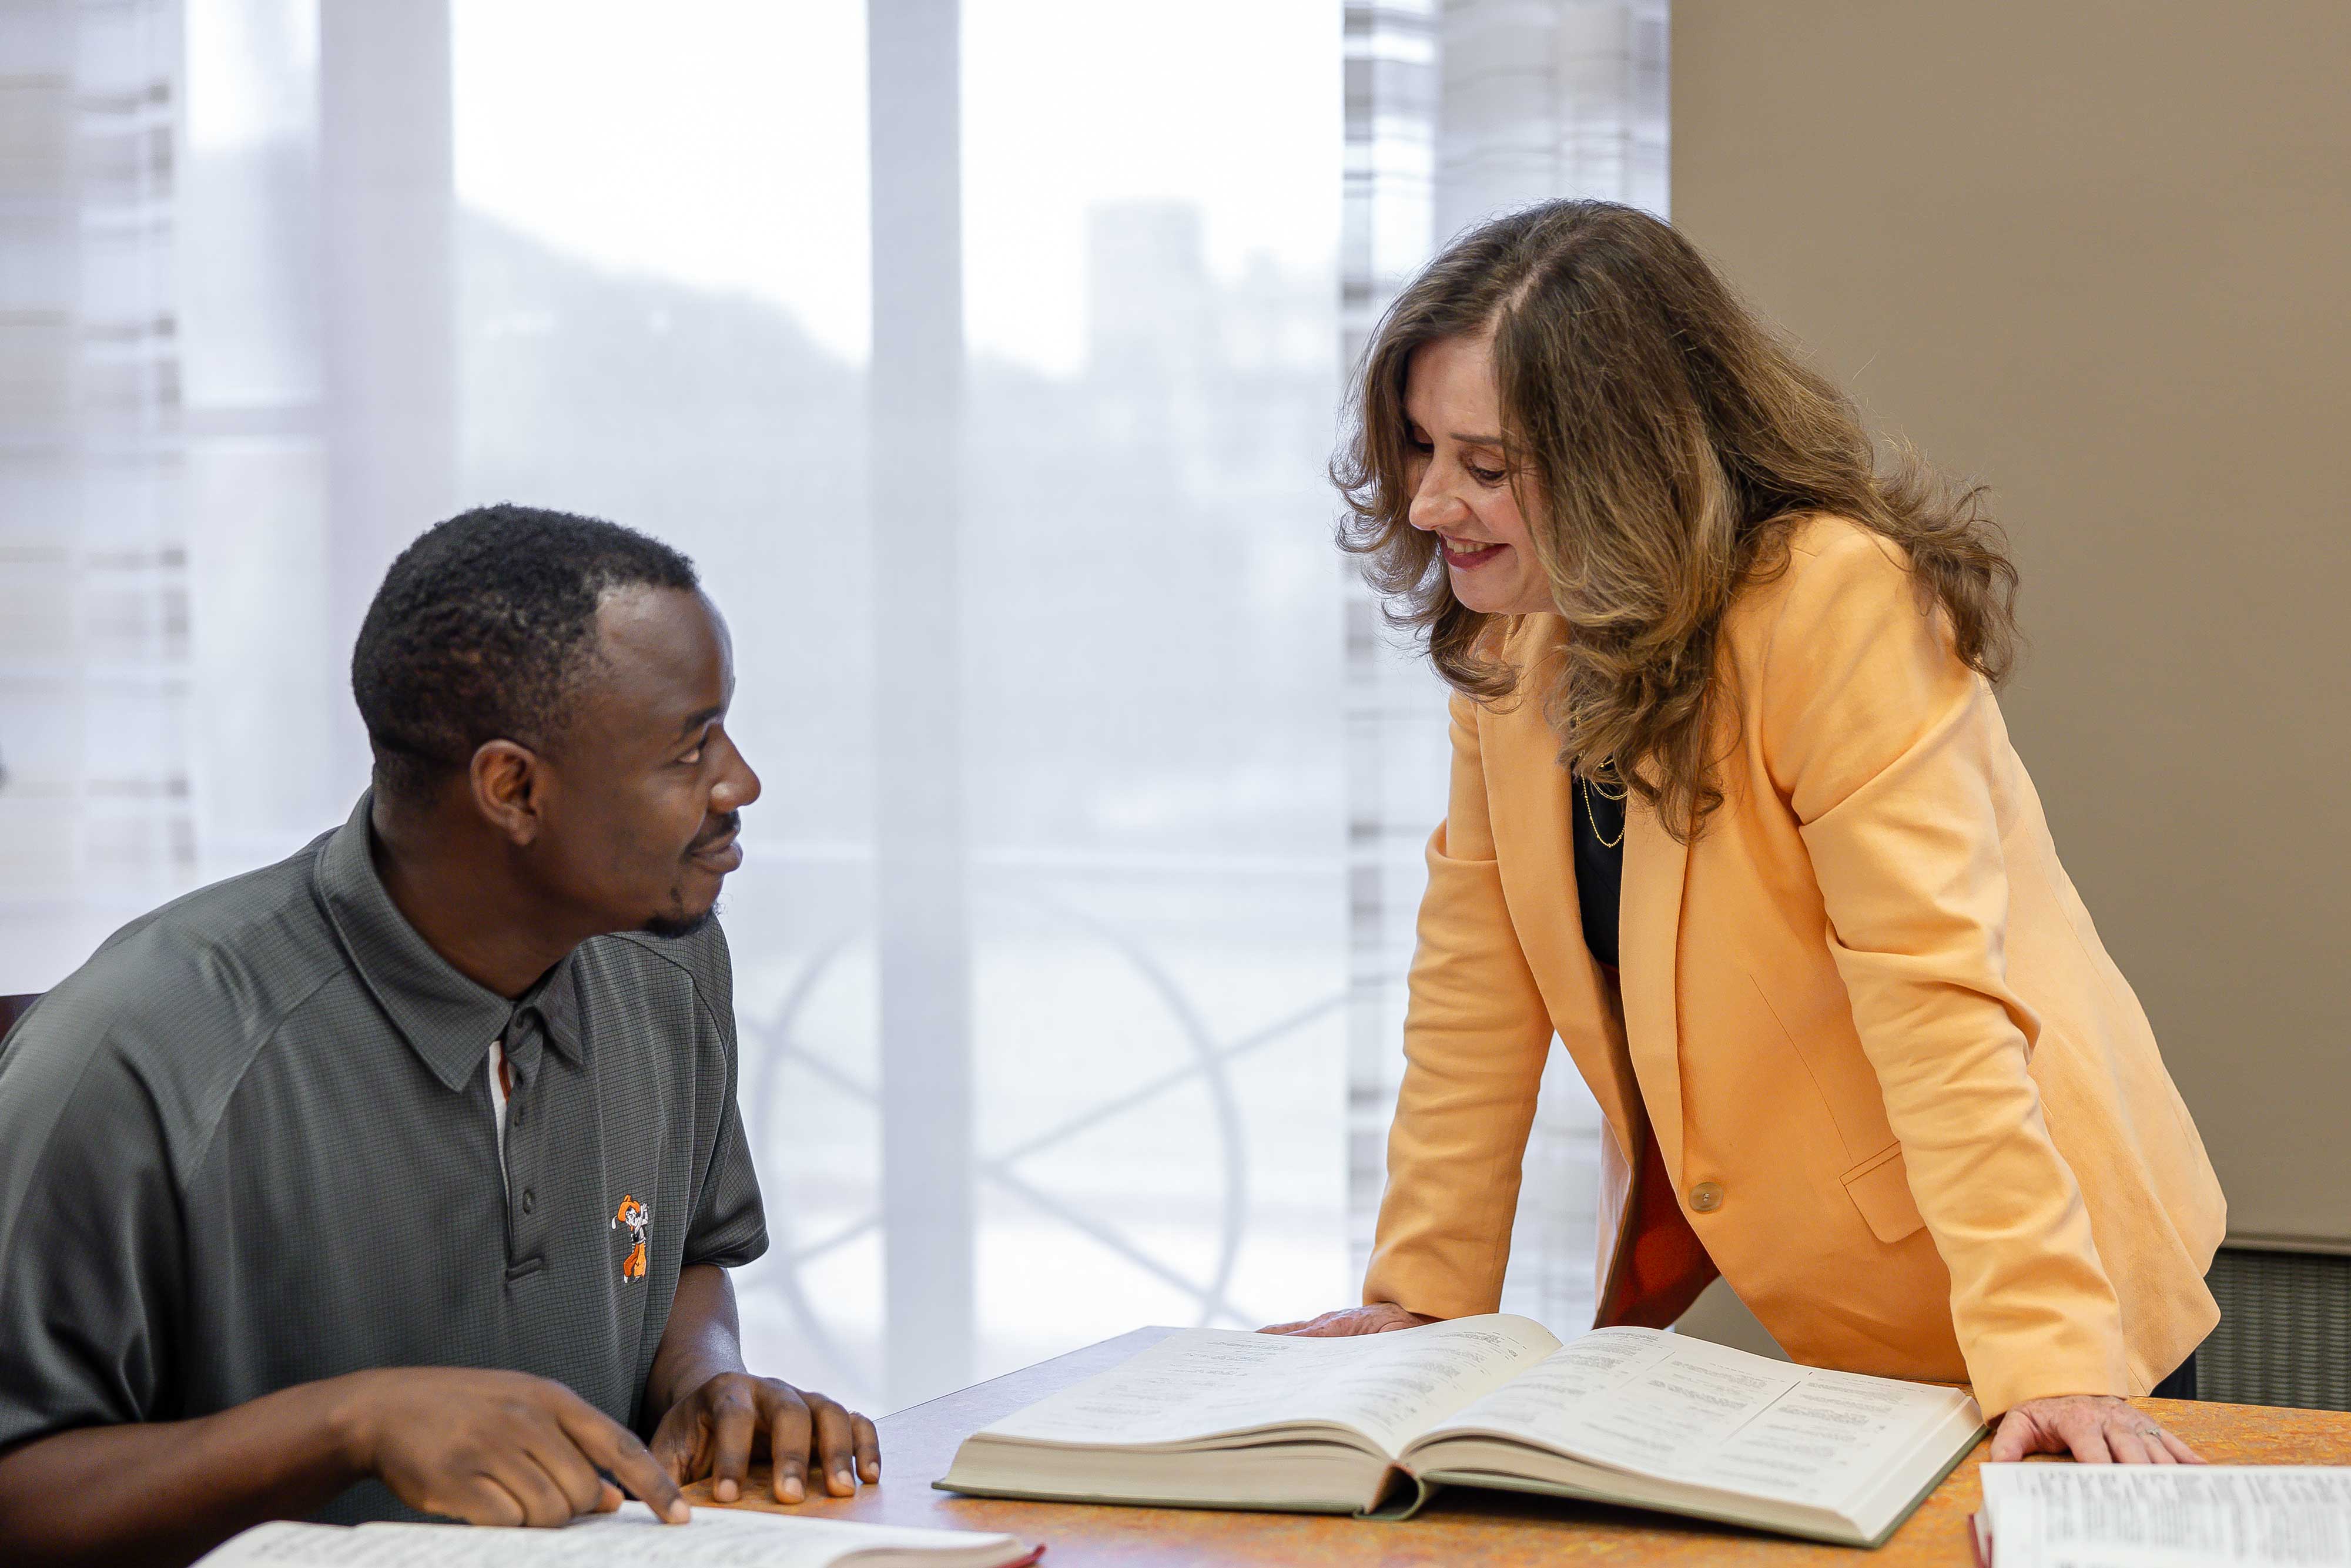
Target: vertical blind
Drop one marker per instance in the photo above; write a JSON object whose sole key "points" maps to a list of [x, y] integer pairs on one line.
{"points": [[97, 779], [1458, 110]]}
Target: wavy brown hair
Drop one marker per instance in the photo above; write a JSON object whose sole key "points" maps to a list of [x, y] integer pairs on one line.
{"points": [[1662, 443]]}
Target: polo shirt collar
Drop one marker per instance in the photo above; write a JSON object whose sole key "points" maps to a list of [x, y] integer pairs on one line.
{"points": [[447, 1018]]}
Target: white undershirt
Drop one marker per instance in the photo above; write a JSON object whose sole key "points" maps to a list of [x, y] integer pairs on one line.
{"points": [[498, 1101]]}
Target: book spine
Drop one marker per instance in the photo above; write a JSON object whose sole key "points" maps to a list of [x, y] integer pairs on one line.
{"points": [[1402, 1494]]}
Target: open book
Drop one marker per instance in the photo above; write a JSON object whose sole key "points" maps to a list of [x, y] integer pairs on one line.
{"points": [[2165, 1516], [716, 1538], [1221, 1418]]}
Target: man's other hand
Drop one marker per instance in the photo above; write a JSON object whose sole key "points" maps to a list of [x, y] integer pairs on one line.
{"points": [[494, 1448], [716, 1430], [1380, 1317]]}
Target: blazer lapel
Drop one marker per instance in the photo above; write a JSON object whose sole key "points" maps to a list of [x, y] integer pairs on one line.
{"points": [[1649, 923], [1538, 866]]}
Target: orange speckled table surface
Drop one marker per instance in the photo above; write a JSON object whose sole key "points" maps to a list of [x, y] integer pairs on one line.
{"points": [[1461, 1527]]}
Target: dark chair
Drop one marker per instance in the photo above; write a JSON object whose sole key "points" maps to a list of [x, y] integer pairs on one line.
{"points": [[11, 1009]]}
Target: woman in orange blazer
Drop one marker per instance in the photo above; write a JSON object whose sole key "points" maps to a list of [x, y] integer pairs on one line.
{"points": [[1856, 1043]]}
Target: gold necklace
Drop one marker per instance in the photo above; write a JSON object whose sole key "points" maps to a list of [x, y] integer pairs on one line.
{"points": [[1589, 816]]}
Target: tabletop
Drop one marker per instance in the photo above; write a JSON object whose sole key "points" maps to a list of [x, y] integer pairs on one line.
{"points": [[1461, 1527]]}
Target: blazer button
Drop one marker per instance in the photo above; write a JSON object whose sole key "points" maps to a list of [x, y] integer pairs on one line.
{"points": [[1706, 1196]]}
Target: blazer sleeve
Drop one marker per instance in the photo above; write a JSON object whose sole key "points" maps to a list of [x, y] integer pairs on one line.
{"points": [[1476, 1035], [1889, 750]]}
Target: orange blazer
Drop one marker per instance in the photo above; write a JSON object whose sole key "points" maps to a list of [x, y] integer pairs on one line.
{"points": [[1907, 1103]]}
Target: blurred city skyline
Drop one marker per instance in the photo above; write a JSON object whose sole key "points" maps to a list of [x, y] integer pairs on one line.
{"points": [[538, 146], [1182, 470]]}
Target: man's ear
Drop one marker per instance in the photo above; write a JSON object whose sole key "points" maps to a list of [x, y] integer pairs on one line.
{"points": [[508, 780]]}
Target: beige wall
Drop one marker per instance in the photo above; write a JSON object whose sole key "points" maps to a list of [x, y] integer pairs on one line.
{"points": [[2100, 256]]}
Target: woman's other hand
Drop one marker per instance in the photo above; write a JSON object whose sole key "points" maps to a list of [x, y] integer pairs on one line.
{"points": [[1378, 1318], [2096, 1428]]}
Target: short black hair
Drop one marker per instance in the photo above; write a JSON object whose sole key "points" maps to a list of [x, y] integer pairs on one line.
{"points": [[482, 629]]}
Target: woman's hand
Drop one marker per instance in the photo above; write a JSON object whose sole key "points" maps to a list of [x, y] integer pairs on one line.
{"points": [[1380, 1317], [2096, 1428]]}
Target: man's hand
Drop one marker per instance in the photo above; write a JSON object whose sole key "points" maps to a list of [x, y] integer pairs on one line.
{"points": [[494, 1448], [715, 1430], [2096, 1428], [1380, 1317]]}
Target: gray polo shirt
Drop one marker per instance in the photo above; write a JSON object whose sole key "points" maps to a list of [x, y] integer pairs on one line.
{"points": [[251, 1144]]}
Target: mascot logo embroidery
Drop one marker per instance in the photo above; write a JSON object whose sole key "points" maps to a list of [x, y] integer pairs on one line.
{"points": [[636, 1217]]}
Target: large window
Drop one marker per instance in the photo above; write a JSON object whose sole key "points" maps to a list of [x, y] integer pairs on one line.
{"points": [[995, 409]]}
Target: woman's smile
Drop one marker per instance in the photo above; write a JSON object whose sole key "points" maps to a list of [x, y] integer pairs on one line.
{"points": [[1468, 555]]}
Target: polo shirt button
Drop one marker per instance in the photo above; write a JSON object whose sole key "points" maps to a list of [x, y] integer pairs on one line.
{"points": [[1706, 1196], [530, 1200]]}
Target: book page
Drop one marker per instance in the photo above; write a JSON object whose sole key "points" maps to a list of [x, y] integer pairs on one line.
{"points": [[2169, 1515], [1204, 1382], [716, 1538], [1684, 1409]]}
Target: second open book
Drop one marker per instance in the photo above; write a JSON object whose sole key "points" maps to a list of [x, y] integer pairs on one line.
{"points": [[1222, 1418]]}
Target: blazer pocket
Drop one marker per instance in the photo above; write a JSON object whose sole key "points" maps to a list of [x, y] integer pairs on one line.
{"points": [[1880, 1187]]}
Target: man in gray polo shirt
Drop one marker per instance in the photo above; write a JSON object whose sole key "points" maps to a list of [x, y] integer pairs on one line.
{"points": [[405, 1174]]}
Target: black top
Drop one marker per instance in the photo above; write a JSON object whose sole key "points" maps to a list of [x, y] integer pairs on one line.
{"points": [[250, 1144], [1599, 812]]}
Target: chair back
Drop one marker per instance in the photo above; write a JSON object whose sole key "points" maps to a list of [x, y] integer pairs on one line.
{"points": [[12, 1009]]}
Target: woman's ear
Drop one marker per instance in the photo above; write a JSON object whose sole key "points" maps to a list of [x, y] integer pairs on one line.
{"points": [[507, 780]]}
